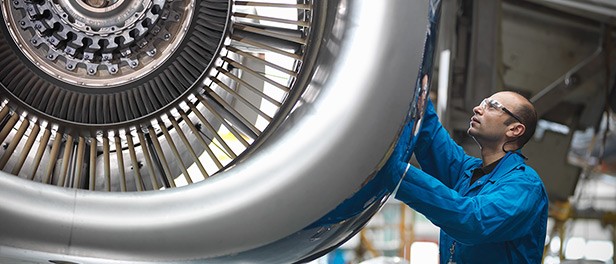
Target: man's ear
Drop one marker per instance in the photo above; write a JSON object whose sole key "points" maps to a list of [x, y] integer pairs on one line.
{"points": [[515, 130]]}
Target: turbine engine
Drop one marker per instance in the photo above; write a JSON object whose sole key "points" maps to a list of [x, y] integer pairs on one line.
{"points": [[193, 131]]}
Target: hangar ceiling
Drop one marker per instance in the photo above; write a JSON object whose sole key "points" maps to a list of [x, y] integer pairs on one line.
{"points": [[603, 11]]}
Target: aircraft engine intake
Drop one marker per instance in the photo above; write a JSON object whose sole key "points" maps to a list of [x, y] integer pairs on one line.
{"points": [[191, 131]]}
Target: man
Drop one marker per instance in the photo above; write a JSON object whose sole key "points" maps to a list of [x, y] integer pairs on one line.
{"points": [[490, 210]]}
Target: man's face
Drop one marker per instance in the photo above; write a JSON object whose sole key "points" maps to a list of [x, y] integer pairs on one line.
{"points": [[488, 122]]}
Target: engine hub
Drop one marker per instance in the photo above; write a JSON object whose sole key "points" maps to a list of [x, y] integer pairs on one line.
{"points": [[96, 43]]}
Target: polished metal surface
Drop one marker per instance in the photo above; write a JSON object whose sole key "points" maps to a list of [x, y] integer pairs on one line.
{"points": [[300, 187]]}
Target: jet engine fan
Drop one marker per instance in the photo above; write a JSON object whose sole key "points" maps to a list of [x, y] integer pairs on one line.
{"points": [[190, 131]]}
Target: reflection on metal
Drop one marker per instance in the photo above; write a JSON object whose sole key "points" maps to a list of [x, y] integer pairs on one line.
{"points": [[246, 131]]}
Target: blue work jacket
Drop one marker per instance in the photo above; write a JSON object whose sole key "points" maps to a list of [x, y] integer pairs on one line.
{"points": [[500, 218]]}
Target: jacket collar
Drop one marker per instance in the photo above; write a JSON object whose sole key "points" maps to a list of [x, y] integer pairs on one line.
{"points": [[511, 160]]}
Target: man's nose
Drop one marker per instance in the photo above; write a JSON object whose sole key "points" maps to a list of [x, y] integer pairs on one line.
{"points": [[477, 109]]}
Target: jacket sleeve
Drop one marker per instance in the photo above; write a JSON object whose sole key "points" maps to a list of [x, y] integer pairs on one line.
{"points": [[438, 154], [506, 213]]}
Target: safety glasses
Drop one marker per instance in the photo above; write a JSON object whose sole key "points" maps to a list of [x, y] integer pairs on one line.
{"points": [[491, 103]]}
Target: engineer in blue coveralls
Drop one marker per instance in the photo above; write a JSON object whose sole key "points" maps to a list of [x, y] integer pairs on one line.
{"points": [[490, 210]]}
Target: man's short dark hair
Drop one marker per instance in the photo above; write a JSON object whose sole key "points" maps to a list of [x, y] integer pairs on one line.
{"points": [[527, 114]]}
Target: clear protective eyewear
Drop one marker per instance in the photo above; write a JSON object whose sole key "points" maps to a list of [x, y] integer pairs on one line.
{"points": [[497, 105]]}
